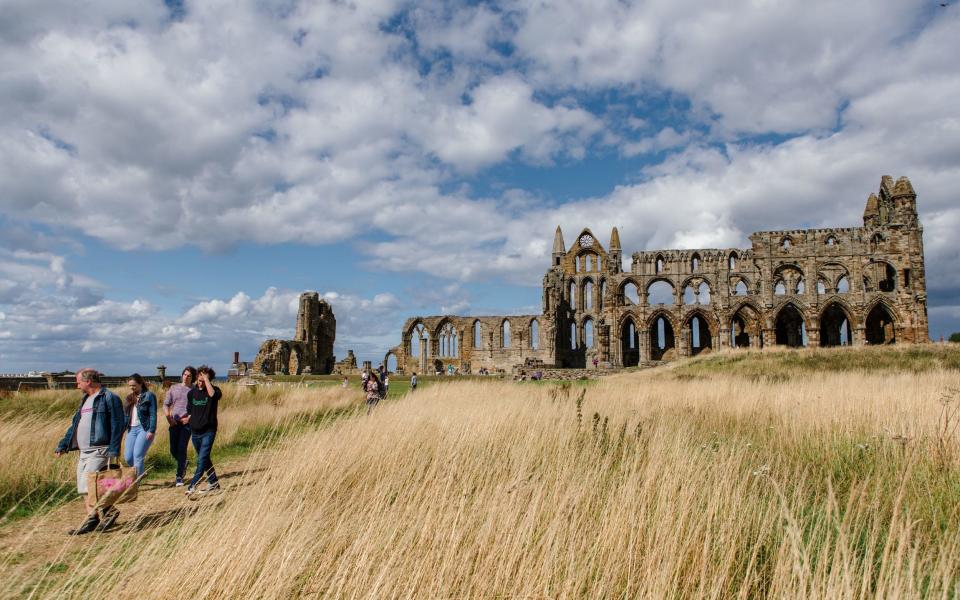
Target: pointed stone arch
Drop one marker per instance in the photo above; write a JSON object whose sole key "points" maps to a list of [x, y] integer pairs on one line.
{"points": [[701, 330], [836, 324], [746, 326], [880, 323], [662, 335], [629, 340], [790, 325], [391, 357], [587, 291]]}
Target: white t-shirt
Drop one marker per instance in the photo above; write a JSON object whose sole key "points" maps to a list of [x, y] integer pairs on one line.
{"points": [[86, 421], [134, 417]]}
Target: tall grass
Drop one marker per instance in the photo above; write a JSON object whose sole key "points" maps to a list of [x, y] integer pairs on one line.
{"points": [[31, 425], [825, 485]]}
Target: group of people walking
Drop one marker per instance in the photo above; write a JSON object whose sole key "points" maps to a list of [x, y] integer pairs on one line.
{"points": [[190, 408], [97, 429]]}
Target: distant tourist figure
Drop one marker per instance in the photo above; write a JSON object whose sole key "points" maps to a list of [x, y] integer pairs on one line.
{"points": [[386, 385], [202, 402], [140, 407], [346, 381], [96, 432], [175, 409], [413, 382], [595, 363], [373, 392]]}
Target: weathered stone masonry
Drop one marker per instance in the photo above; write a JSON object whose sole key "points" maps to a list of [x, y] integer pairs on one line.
{"points": [[311, 350], [814, 287]]}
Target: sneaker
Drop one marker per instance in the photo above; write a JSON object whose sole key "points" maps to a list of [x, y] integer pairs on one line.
{"points": [[179, 482], [87, 526], [110, 515], [211, 489], [190, 490]]}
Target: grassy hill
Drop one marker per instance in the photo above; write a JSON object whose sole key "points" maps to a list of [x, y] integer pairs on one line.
{"points": [[769, 474]]}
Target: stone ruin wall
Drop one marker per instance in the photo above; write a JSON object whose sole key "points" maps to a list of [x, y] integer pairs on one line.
{"points": [[813, 287], [433, 344], [311, 350]]}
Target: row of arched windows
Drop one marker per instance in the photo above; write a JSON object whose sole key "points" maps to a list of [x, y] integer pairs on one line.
{"points": [[449, 343], [695, 263], [587, 295], [588, 262]]}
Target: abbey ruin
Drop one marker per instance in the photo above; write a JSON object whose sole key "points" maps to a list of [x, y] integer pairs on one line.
{"points": [[813, 287], [310, 350]]}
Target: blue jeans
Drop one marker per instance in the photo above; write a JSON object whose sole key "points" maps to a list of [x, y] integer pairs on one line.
{"points": [[136, 448], [203, 443], [179, 440]]}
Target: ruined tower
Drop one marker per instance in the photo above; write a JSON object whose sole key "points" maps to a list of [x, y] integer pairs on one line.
{"points": [[310, 350]]}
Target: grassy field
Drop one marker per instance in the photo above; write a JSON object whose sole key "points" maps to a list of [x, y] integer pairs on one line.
{"points": [[768, 474], [31, 425]]}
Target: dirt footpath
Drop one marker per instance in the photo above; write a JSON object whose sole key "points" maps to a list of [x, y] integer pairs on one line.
{"points": [[38, 547]]}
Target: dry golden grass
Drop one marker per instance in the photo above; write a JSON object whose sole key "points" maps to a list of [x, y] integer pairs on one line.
{"points": [[32, 424], [833, 485]]}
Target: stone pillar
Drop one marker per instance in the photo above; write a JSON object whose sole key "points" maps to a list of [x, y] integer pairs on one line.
{"points": [[813, 337], [645, 350], [769, 337], [604, 339], [423, 355], [859, 335]]}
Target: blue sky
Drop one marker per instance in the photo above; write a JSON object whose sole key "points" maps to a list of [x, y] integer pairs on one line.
{"points": [[174, 174]]}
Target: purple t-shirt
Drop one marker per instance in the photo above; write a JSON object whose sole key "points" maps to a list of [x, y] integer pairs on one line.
{"points": [[177, 399]]}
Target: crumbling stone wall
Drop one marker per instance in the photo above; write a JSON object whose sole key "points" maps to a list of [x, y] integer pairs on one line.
{"points": [[311, 350], [810, 287]]}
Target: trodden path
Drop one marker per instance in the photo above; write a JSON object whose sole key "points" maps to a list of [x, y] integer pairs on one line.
{"points": [[38, 548]]}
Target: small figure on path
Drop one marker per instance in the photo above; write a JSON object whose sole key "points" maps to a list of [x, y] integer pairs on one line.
{"points": [[413, 382], [373, 392]]}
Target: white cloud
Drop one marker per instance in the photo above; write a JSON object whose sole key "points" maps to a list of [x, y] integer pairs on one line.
{"points": [[315, 123]]}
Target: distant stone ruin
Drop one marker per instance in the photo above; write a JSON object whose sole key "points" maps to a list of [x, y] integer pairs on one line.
{"points": [[311, 349], [347, 366], [810, 287]]}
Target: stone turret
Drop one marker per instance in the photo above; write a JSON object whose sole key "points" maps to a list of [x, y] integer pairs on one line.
{"points": [[904, 201], [895, 205], [614, 253], [871, 213], [559, 248]]}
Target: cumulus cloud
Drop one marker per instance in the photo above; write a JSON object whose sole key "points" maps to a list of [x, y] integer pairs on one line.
{"points": [[316, 123], [56, 326]]}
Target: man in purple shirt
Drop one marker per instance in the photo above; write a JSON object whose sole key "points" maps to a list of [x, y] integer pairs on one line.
{"points": [[175, 408]]}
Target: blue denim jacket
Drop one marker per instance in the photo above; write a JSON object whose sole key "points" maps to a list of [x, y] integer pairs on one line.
{"points": [[146, 409], [106, 427]]}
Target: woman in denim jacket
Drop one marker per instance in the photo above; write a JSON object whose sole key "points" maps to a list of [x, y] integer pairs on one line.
{"points": [[141, 409]]}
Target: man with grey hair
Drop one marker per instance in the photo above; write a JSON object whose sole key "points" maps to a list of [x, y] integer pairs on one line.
{"points": [[96, 432]]}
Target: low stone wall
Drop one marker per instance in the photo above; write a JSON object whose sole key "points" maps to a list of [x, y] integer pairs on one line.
{"points": [[26, 383]]}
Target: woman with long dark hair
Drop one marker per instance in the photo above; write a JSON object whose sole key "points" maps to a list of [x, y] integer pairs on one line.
{"points": [[141, 410]]}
